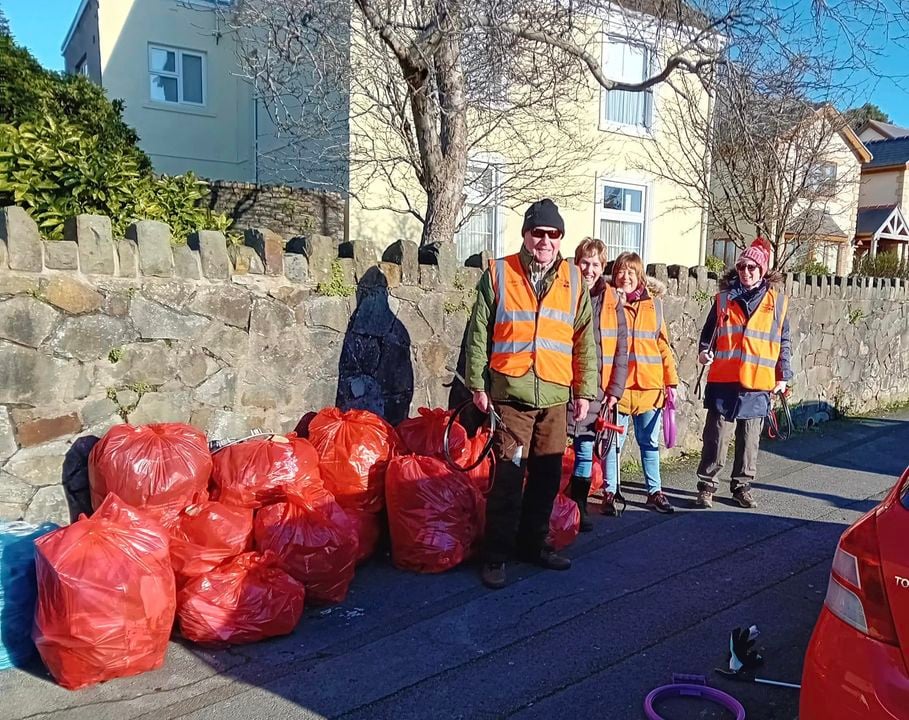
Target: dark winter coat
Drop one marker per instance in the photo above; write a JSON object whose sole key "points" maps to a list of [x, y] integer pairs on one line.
{"points": [[729, 399]]}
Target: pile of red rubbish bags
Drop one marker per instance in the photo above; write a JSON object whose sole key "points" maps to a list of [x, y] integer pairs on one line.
{"points": [[226, 547]]}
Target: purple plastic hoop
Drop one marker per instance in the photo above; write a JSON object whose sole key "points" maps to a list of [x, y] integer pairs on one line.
{"points": [[669, 426], [686, 690]]}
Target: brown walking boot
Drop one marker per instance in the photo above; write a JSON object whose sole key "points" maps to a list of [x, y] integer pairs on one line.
{"points": [[493, 575]]}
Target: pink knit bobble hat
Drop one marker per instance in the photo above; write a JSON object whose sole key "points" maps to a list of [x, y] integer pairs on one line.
{"points": [[758, 253]]}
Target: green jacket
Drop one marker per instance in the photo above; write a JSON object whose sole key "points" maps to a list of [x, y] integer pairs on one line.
{"points": [[528, 389]]}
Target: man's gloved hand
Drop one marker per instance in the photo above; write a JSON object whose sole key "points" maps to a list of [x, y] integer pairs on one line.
{"points": [[705, 357], [611, 401], [780, 388]]}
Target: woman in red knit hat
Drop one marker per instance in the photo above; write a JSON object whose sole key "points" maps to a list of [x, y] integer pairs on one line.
{"points": [[745, 340]]}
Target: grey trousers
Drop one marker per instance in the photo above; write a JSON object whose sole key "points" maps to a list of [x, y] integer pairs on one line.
{"points": [[717, 434]]}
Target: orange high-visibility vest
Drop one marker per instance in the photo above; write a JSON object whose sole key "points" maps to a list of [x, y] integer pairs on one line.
{"points": [[747, 349], [607, 333], [645, 363], [531, 333]]}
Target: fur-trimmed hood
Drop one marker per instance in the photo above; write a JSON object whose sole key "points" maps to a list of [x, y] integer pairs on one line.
{"points": [[655, 288], [774, 279]]}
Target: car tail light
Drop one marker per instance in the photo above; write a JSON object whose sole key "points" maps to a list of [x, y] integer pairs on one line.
{"points": [[855, 593]]}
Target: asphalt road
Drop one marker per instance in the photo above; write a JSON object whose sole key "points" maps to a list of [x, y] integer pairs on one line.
{"points": [[649, 595]]}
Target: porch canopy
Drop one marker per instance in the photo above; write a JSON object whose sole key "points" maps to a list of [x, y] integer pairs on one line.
{"points": [[882, 228]]}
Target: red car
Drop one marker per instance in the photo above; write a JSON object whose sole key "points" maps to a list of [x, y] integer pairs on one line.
{"points": [[857, 664]]}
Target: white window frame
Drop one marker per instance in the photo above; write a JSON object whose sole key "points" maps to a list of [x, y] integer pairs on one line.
{"points": [[82, 67], [498, 162], [822, 249], [644, 217], [645, 130], [821, 181], [178, 74]]}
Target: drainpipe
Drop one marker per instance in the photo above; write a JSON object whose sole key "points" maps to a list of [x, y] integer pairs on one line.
{"points": [[702, 250]]}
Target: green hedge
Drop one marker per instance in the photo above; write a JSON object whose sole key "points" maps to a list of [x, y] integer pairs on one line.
{"points": [[65, 150], [886, 265]]}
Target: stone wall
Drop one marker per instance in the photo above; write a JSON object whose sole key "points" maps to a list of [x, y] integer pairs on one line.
{"points": [[94, 332], [285, 210]]}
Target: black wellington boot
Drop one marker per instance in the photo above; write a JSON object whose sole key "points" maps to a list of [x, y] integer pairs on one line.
{"points": [[580, 489]]}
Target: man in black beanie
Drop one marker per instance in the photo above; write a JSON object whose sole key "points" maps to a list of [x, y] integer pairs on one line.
{"points": [[529, 351]]}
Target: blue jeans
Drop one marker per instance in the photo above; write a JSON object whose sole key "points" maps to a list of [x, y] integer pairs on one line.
{"points": [[647, 428], [583, 457]]}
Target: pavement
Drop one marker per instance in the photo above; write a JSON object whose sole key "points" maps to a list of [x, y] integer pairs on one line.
{"points": [[649, 595]]}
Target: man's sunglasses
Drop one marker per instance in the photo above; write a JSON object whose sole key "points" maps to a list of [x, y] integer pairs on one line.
{"points": [[540, 233], [749, 268]]}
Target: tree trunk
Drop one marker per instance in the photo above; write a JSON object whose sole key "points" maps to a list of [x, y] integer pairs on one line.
{"points": [[443, 204]]}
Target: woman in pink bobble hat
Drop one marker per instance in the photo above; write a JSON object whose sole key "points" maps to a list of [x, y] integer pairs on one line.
{"points": [[745, 340]]}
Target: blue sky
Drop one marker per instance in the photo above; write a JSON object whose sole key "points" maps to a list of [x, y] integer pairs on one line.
{"points": [[41, 26]]}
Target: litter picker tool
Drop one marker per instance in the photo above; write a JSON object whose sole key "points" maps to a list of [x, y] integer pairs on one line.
{"points": [[711, 348], [779, 421], [606, 441], [494, 420]]}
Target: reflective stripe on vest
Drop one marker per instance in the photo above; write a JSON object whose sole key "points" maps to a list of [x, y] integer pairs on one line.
{"points": [[531, 332], [645, 362], [606, 332], [748, 349]]}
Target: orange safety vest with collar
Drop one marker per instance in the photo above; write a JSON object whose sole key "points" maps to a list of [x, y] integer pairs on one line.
{"points": [[607, 333], [645, 362], [747, 349], [534, 333]]}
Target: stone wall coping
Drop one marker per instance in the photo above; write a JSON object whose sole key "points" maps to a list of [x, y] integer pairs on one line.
{"points": [[207, 258]]}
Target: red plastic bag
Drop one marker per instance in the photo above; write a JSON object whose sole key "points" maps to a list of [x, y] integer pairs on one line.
{"points": [[354, 448], [596, 477], [433, 514], [423, 435], [481, 476], [264, 470], [205, 535], [564, 523], [369, 530], [106, 596], [596, 473], [315, 540], [159, 467], [245, 600]]}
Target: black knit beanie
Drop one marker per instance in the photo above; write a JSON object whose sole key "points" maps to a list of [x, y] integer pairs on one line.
{"points": [[543, 213]]}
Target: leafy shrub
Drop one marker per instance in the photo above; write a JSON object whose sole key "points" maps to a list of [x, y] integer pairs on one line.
{"points": [[886, 265], [715, 264], [813, 267], [30, 93], [55, 170], [65, 150]]}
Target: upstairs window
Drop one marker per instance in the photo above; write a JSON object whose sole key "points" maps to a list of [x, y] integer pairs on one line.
{"points": [[627, 62], [822, 179], [176, 76]]}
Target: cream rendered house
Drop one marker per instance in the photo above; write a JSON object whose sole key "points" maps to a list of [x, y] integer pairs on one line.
{"points": [[840, 172], [617, 192], [174, 66], [823, 219]]}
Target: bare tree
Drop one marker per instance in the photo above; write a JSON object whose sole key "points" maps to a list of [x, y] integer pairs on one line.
{"points": [[406, 90], [759, 157]]}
